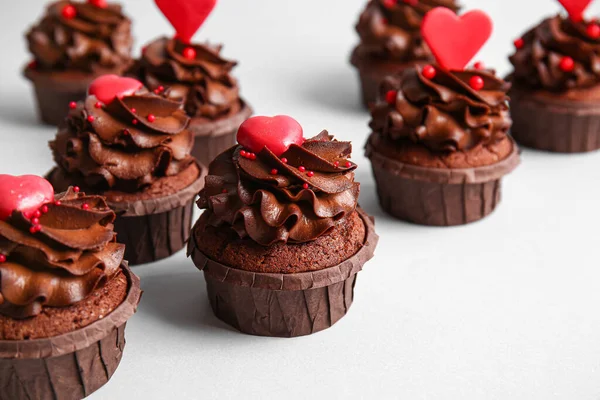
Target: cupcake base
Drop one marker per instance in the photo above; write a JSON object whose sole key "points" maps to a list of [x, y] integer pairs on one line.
{"points": [[211, 138], [70, 366], [556, 125], [439, 197], [283, 305]]}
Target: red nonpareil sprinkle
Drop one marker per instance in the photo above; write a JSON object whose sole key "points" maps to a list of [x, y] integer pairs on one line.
{"points": [[429, 72], [301, 168], [348, 164], [135, 121], [224, 191], [310, 174], [252, 156], [76, 189], [189, 53], [32, 65], [476, 82], [593, 30], [72, 105], [98, 105], [567, 64], [57, 203], [243, 153], [91, 118], [305, 186], [160, 88], [389, 3], [69, 12], [519, 43], [133, 110], [37, 214], [35, 221], [478, 65], [85, 206], [151, 118], [126, 132], [35, 228], [99, 3], [44, 209], [274, 171], [337, 163], [284, 160], [2, 258], [390, 97]]}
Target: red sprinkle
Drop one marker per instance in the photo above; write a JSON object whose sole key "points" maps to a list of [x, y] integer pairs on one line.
{"points": [[135, 121], [98, 3], [274, 171], [305, 186], [160, 88], [224, 191], [76, 189], [429, 72], [35, 221], [37, 214], [72, 105], [32, 65], [91, 118], [337, 163], [389, 3], [57, 203], [2, 258], [567, 64], [519, 43], [301, 168], [390, 97], [478, 65], [284, 160], [151, 118], [252, 156], [133, 110], [69, 12], [476, 82], [348, 164], [310, 174], [126, 132], [243, 153], [593, 30], [44, 209], [98, 105], [189, 53], [35, 228], [85, 206]]}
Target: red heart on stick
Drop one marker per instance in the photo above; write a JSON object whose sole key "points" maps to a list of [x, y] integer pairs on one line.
{"points": [[575, 8], [454, 40], [186, 16], [275, 133], [107, 87], [25, 193]]}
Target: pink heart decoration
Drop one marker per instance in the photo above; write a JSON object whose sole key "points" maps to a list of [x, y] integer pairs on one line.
{"points": [[275, 133], [575, 8], [107, 87], [454, 40], [26, 193], [186, 16]]}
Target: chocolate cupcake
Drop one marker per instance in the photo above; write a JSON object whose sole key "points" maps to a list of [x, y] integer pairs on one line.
{"points": [[390, 40], [133, 147], [66, 294], [282, 237], [440, 146], [197, 75], [74, 43], [555, 94]]}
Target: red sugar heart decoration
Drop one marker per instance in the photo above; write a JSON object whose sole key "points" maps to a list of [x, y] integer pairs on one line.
{"points": [[25, 193], [186, 16], [107, 87], [575, 8], [454, 40], [275, 133]]}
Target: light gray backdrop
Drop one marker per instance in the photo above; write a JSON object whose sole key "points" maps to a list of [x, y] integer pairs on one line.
{"points": [[508, 308]]}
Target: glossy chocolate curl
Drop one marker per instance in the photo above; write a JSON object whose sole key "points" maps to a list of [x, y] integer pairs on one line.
{"points": [[73, 254], [95, 40], [444, 113], [204, 83], [127, 145], [537, 63], [294, 199], [394, 32]]}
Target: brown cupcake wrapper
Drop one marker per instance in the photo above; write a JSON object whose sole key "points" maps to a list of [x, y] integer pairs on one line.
{"points": [[553, 126], [213, 138], [284, 305], [439, 197], [69, 366]]}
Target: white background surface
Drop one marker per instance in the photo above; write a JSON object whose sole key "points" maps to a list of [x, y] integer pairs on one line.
{"points": [[508, 308]]}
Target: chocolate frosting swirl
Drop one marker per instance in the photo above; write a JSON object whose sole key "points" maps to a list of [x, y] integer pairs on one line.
{"points": [[289, 206], [97, 40], [444, 113], [73, 254], [537, 63], [204, 84], [394, 32], [116, 146]]}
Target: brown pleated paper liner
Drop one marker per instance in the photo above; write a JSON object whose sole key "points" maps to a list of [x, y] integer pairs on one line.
{"points": [[69, 366], [439, 197], [213, 138], [562, 127], [284, 305]]}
